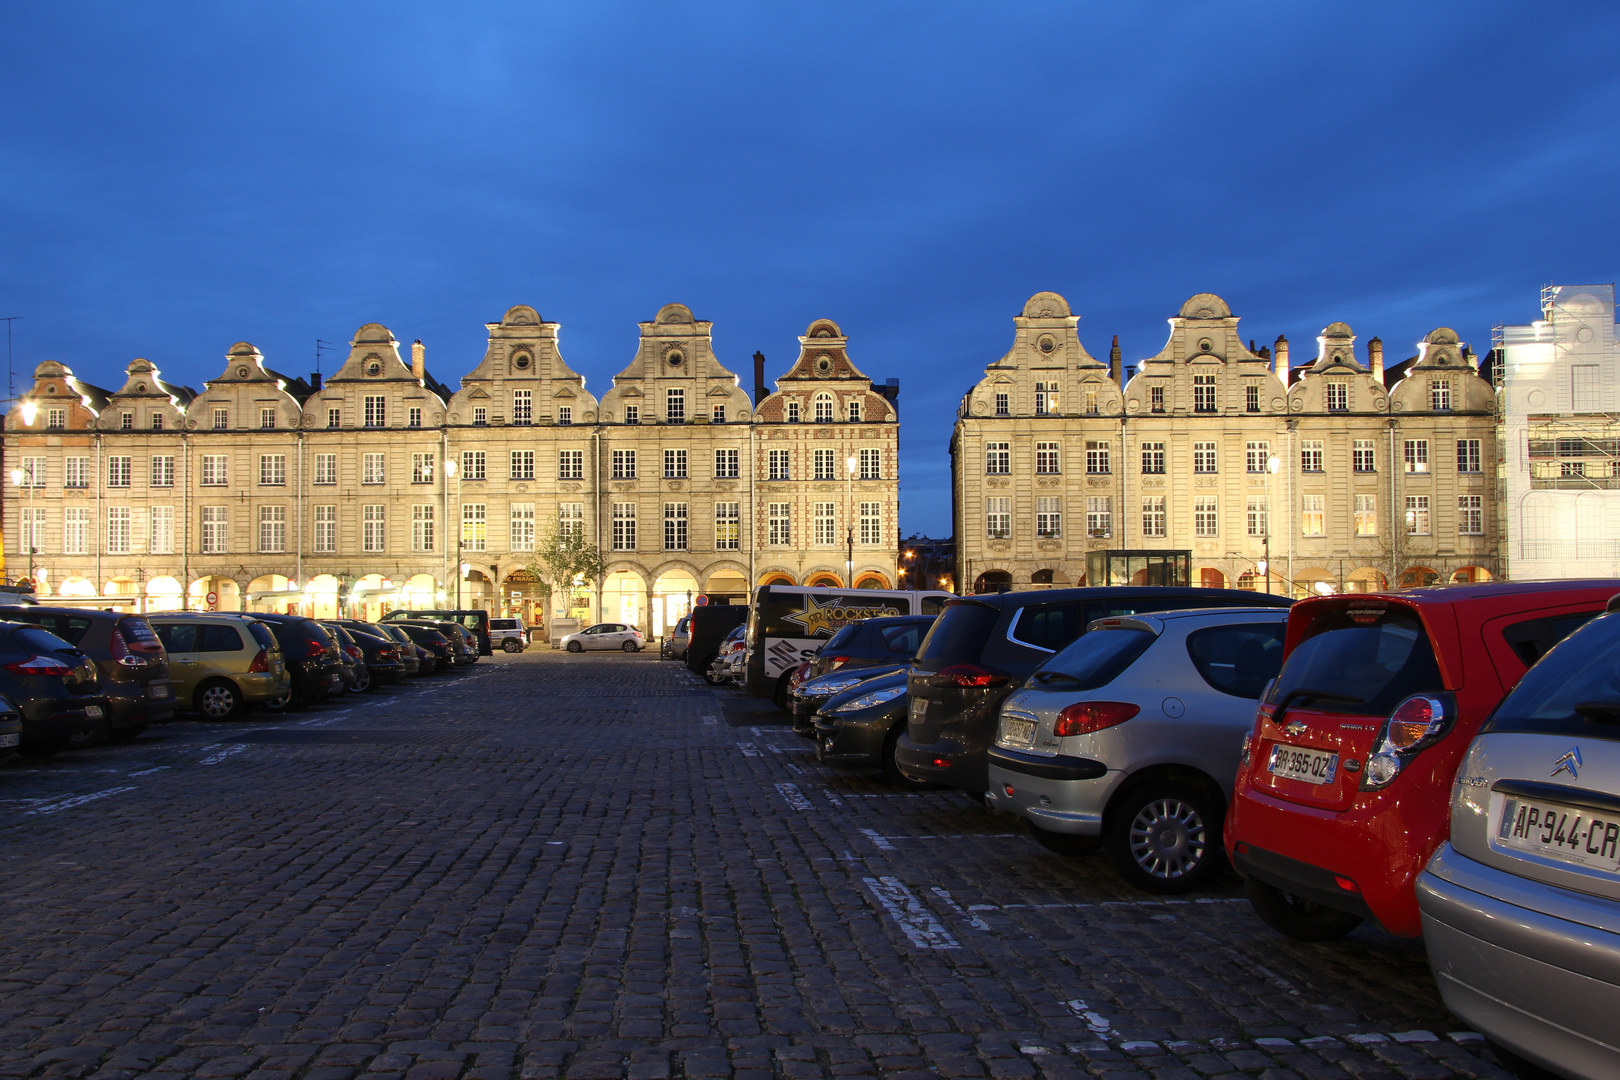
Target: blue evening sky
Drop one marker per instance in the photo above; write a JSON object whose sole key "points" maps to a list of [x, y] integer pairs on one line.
{"points": [[175, 177]]}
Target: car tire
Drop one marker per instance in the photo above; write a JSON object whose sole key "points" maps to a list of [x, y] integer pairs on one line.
{"points": [[218, 700], [44, 748], [1163, 837], [780, 695], [891, 767], [128, 734], [630, 646], [1071, 845], [96, 736], [511, 645], [574, 646], [1293, 917], [362, 681]]}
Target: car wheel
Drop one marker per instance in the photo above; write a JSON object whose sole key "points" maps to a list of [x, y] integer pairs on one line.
{"points": [[128, 734], [780, 697], [891, 767], [1070, 844], [511, 645], [283, 701], [629, 646], [362, 681], [1302, 920], [96, 736], [220, 701], [43, 748], [574, 646], [1163, 837]]}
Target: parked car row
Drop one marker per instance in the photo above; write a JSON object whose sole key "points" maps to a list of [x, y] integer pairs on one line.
{"points": [[1438, 761]]}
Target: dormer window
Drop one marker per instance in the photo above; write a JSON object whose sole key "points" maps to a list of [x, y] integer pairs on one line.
{"points": [[1003, 405], [480, 416], [675, 406], [824, 408], [267, 418], [717, 415], [565, 414], [855, 410], [1251, 397], [376, 411], [1203, 393], [632, 414], [1440, 395], [522, 407], [414, 417], [157, 421], [334, 418], [1046, 398], [222, 419], [1338, 397], [793, 412], [126, 421], [55, 419]]}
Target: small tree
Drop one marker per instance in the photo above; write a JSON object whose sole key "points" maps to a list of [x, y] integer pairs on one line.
{"points": [[562, 556]]}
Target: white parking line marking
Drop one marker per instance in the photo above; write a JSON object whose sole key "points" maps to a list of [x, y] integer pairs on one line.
{"points": [[915, 920], [215, 759], [1098, 1023], [149, 772], [878, 841], [76, 800], [749, 750], [950, 902], [794, 797]]}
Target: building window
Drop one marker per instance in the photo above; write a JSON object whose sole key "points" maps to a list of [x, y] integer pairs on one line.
{"points": [[825, 518], [570, 465], [1366, 515], [570, 521], [1046, 398], [162, 530], [272, 470], [326, 529], [1203, 393], [374, 528], [272, 529], [624, 526], [157, 421], [376, 411], [1092, 408], [871, 523], [779, 522], [632, 414], [793, 412], [1586, 388], [1251, 397], [1206, 517], [998, 518], [1312, 518], [267, 418], [422, 527], [522, 407], [824, 408], [473, 464], [725, 465], [413, 416], [674, 526], [1571, 469], [118, 530], [222, 419], [1417, 515], [1417, 455], [371, 468], [1099, 458], [334, 418], [1310, 455], [570, 516], [31, 523], [871, 463], [854, 410], [825, 469], [473, 535], [1099, 516], [1362, 456], [34, 471], [1153, 517], [1203, 457], [55, 419], [675, 406], [1156, 399], [1259, 517], [1440, 395], [325, 469], [523, 464], [565, 415], [1003, 405], [215, 529], [624, 464], [162, 471], [1338, 397], [675, 465], [727, 526], [1255, 456], [1468, 455], [118, 471], [480, 416], [1470, 515], [126, 421], [717, 415], [422, 468], [1046, 458], [214, 471], [1048, 517], [777, 465], [76, 472], [1153, 458], [76, 531]]}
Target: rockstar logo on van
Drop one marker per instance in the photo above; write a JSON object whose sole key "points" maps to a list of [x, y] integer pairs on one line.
{"points": [[825, 618]]}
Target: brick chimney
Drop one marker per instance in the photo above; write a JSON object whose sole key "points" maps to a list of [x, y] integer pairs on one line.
{"points": [[1113, 359], [418, 360], [1279, 357], [1375, 358], [759, 377]]}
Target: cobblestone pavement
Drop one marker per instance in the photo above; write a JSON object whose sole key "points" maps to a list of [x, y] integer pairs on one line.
{"points": [[594, 867]]}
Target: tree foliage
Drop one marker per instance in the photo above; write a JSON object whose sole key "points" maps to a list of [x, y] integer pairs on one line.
{"points": [[562, 556]]}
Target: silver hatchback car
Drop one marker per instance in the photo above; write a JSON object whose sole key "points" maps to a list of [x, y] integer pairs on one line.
{"points": [[605, 636], [1129, 738], [1521, 907]]}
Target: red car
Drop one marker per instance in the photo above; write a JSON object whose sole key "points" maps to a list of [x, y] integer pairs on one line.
{"points": [[1344, 790]]}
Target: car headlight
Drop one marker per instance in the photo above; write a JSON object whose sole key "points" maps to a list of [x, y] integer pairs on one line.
{"points": [[826, 689], [866, 701]]}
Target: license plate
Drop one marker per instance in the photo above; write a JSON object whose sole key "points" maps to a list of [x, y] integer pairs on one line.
{"points": [[916, 709], [93, 711], [1569, 834], [337, 678], [1297, 763], [1019, 732], [13, 739], [158, 691]]}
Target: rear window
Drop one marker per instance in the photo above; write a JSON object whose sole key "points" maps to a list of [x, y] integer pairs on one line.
{"points": [[1047, 626], [932, 605], [262, 635], [138, 634], [1377, 656], [959, 633], [1534, 638], [843, 636], [1238, 660], [40, 639], [1584, 670], [1092, 660], [904, 640]]}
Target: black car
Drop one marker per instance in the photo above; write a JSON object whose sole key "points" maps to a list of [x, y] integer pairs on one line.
{"points": [[441, 654], [463, 642], [810, 695], [475, 620], [872, 643], [859, 728], [382, 653], [983, 646], [413, 659], [130, 660], [351, 661], [55, 685], [312, 657]]}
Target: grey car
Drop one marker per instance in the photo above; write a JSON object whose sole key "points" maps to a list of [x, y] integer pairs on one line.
{"points": [[1129, 738], [1521, 907], [605, 636]]}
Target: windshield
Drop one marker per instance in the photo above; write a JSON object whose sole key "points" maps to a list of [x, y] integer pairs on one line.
{"points": [[1583, 670], [1375, 655], [1091, 660]]}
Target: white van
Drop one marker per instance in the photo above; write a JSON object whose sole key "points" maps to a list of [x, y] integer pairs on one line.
{"points": [[787, 625]]}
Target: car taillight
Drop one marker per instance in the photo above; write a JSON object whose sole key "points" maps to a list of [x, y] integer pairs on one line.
{"points": [[1417, 722], [834, 663], [967, 675], [39, 665], [261, 663], [387, 652], [354, 653], [1084, 717], [316, 649]]}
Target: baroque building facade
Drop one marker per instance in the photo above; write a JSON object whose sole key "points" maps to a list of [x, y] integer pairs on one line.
{"points": [[380, 487], [1212, 463]]}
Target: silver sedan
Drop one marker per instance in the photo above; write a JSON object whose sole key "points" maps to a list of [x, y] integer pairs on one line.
{"points": [[605, 636]]}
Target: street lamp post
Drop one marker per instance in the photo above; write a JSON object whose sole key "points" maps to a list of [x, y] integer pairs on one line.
{"points": [[461, 567], [849, 520], [18, 476], [1273, 463]]}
